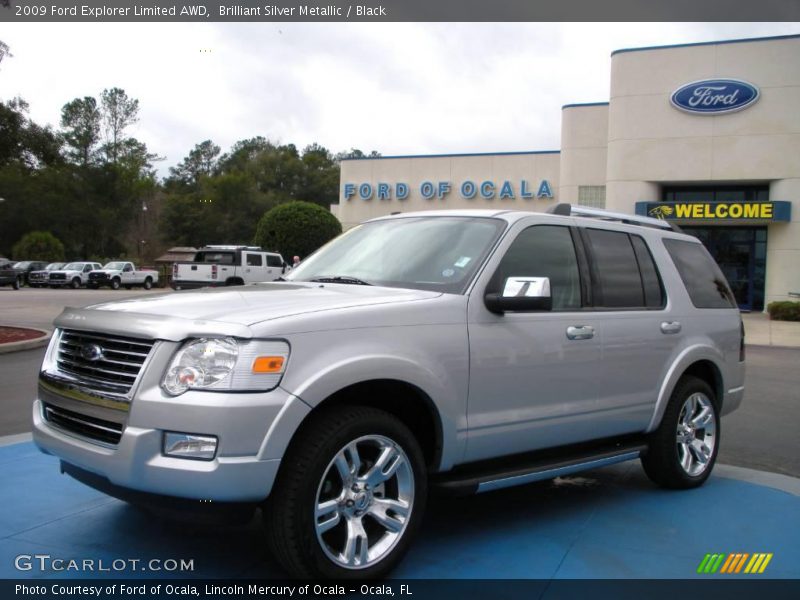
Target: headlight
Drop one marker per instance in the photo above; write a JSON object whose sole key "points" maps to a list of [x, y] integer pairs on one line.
{"points": [[226, 364]]}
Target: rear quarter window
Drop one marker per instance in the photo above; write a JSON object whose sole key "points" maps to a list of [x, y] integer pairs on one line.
{"points": [[701, 276]]}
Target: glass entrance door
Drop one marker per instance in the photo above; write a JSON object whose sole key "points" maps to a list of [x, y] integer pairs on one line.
{"points": [[741, 253]]}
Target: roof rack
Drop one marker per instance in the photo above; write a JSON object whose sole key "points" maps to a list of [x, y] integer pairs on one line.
{"points": [[229, 247], [566, 210]]}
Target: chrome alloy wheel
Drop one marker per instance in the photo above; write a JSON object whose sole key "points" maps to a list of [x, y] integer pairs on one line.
{"points": [[697, 434], [364, 502]]}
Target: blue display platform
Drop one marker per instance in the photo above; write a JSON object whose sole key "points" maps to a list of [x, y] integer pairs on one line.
{"points": [[607, 523]]}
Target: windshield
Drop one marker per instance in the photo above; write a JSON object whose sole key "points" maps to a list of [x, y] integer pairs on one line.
{"points": [[74, 267], [22, 265], [53, 266], [428, 253], [115, 266]]}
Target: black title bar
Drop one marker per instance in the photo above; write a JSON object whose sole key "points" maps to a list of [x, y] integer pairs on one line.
{"points": [[105, 11]]}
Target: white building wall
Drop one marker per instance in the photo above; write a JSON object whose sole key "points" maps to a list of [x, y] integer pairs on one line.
{"points": [[584, 144]]}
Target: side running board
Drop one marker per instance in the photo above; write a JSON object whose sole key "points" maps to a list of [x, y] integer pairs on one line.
{"points": [[495, 474]]}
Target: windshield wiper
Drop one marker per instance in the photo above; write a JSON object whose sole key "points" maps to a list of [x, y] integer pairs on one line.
{"points": [[340, 279]]}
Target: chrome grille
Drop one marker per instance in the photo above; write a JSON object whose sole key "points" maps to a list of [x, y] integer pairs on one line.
{"points": [[89, 427], [114, 368]]}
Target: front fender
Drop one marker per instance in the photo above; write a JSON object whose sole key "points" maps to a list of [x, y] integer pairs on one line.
{"points": [[433, 360]]}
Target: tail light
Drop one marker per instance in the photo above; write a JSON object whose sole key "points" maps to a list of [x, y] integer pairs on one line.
{"points": [[213, 271], [741, 341]]}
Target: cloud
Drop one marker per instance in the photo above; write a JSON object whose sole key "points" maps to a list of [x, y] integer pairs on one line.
{"points": [[394, 87]]}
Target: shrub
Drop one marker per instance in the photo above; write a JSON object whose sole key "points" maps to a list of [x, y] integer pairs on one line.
{"points": [[296, 229], [39, 245], [785, 310]]}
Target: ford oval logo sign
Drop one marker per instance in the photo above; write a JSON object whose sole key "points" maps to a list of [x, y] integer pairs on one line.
{"points": [[714, 96]]}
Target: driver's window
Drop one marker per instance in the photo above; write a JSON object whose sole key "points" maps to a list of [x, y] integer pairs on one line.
{"points": [[127, 269], [87, 268], [544, 251]]}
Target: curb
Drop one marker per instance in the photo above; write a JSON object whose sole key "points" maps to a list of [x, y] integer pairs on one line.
{"points": [[27, 344]]}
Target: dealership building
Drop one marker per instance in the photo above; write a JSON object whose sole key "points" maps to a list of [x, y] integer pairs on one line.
{"points": [[706, 135]]}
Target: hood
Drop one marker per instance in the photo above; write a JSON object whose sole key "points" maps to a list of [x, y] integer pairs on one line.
{"points": [[250, 304]]}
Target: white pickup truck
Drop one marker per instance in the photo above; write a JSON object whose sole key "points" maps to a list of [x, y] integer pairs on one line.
{"points": [[215, 266], [120, 273]]}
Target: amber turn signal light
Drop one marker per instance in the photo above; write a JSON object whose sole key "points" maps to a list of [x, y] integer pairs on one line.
{"points": [[268, 364]]}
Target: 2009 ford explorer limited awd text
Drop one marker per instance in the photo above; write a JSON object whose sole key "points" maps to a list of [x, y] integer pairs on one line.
{"points": [[469, 350]]}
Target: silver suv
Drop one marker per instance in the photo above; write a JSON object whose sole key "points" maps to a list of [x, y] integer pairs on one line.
{"points": [[466, 351]]}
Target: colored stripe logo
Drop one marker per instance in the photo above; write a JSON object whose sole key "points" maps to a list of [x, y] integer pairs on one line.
{"points": [[735, 562]]}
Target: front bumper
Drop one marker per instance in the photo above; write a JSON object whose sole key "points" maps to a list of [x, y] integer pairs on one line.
{"points": [[243, 469]]}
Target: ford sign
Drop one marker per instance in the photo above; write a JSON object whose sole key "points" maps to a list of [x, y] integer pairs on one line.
{"points": [[714, 96]]}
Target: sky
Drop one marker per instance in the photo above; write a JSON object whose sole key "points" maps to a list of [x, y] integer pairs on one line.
{"points": [[398, 88]]}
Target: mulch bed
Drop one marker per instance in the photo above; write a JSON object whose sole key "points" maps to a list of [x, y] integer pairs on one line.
{"points": [[17, 334]]}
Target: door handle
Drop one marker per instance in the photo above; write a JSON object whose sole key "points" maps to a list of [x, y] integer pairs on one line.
{"points": [[580, 332], [669, 327]]}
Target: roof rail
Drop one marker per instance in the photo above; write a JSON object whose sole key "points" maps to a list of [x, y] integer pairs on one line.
{"points": [[229, 247], [566, 210]]}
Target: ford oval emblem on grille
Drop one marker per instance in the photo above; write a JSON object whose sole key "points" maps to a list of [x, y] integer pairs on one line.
{"points": [[91, 352], [714, 96]]}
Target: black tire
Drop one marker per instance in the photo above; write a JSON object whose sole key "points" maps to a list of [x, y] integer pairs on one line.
{"points": [[76, 283], [234, 281], [115, 283], [289, 511], [662, 462], [148, 283], [15, 285]]}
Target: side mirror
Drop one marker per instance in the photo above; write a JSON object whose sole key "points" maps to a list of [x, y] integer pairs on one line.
{"points": [[521, 294]]}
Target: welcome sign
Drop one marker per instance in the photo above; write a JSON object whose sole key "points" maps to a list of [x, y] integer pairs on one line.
{"points": [[710, 211]]}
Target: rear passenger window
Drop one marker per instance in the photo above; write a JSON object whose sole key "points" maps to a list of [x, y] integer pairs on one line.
{"points": [[702, 277], [274, 261], [619, 284], [651, 283], [254, 260]]}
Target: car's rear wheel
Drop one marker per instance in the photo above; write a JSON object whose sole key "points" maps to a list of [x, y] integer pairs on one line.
{"points": [[349, 497], [148, 283], [684, 448]]}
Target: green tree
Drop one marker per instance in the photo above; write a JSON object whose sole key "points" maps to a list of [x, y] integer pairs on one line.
{"points": [[118, 113], [80, 121], [39, 245], [201, 162], [296, 228]]}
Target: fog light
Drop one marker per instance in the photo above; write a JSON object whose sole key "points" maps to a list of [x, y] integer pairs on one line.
{"points": [[188, 445]]}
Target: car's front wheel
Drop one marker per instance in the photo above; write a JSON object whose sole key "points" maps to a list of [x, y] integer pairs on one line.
{"points": [[684, 448], [349, 497]]}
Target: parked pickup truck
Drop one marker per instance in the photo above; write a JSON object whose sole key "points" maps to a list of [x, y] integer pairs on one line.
{"points": [[215, 266], [8, 275], [75, 274], [119, 273]]}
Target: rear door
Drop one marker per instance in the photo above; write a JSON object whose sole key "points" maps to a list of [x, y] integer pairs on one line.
{"points": [[638, 335]]}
